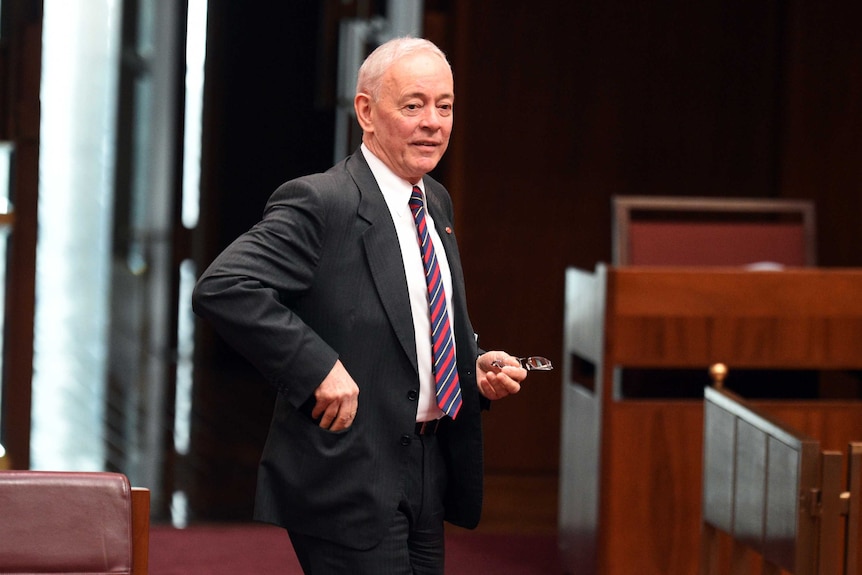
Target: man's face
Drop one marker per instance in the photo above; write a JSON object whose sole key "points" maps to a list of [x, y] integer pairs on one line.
{"points": [[408, 128]]}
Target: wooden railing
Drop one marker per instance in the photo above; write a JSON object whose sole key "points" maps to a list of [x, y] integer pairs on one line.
{"points": [[773, 502]]}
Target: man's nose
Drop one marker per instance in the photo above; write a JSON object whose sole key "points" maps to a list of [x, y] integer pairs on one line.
{"points": [[431, 118]]}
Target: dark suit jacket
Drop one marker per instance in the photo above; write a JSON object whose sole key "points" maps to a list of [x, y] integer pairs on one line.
{"points": [[321, 278]]}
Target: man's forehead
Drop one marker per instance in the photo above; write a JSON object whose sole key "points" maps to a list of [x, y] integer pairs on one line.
{"points": [[419, 65]]}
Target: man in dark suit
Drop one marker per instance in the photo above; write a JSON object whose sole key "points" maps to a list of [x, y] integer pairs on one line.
{"points": [[327, 297]]}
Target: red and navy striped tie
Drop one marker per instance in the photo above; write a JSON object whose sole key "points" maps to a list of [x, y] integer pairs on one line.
{"points": [[442, 340]]}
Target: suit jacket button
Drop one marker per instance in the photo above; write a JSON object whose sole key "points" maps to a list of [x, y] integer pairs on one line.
{"points": [[405, 440], [412, 395]]}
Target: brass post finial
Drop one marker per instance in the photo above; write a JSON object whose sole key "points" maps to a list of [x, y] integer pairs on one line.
{"points": [[718, 372]]}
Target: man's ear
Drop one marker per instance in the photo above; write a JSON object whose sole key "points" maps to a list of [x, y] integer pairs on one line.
{"points": [[362, 106]]}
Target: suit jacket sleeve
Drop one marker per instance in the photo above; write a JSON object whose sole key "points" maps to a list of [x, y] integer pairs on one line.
{"points": [[248, 290]]}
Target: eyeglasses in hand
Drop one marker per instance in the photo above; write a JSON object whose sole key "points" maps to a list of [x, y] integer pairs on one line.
{"points": [[532, 363]]}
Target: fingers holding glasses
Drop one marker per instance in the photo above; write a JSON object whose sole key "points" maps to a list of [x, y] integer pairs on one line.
{"points": [[531, 363], [496, 382], [501, 360], [496, 385]]}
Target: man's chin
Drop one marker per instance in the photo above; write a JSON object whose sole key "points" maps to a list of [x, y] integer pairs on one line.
{"points": [[425, 165]]}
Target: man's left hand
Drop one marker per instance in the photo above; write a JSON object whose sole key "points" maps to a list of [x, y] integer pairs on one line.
{"points": [[499, 374]]}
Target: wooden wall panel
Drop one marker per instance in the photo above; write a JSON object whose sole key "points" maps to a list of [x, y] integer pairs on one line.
{"points": [[562, 105], [821, 131], [558, 109]]}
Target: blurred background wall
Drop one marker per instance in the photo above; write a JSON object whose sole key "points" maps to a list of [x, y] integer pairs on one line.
{"points": [[560, 106]]}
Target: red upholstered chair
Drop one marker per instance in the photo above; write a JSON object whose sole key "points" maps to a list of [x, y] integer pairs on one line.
{"points": [[72, 522], [692, 231]]}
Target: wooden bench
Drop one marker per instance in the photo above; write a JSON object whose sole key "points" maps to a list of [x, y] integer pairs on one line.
{"points": [[773, 501]]}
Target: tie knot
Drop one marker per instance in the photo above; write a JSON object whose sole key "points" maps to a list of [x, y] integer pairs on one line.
{"points": [[416, 198]]}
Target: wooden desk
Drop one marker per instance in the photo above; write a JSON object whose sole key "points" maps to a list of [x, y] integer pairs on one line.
{"points": [[630, 468]]}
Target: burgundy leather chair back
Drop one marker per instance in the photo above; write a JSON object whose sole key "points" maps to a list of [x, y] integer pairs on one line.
{"points": [[65, 522]]}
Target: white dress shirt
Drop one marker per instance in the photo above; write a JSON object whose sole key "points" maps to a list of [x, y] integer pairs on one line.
{"points": [[396, 192]]}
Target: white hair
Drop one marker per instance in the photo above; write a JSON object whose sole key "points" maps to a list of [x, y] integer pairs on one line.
{"points": [[371, 72]]}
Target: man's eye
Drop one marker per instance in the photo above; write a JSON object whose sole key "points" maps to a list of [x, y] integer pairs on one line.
{"points": [[445, 109]]}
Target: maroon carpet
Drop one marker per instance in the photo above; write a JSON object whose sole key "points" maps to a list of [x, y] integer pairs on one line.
{"points": [[264, 550]]}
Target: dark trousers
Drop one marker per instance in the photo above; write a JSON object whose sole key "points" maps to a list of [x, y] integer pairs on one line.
{"points": [[414, 542]]}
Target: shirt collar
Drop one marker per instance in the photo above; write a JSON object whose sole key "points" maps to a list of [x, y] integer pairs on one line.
{"points": [[396, 190]]}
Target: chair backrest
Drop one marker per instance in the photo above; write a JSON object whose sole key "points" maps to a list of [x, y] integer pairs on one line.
{"points": [[691, 231], [72, 522]]}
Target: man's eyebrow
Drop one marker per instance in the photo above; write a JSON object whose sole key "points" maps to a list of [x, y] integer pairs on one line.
{"points": [[423, 95]]}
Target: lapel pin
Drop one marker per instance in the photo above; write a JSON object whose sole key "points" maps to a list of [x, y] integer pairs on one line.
{"points": [[448, 230]]}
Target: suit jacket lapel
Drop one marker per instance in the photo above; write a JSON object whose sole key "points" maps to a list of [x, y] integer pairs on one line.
{"points": [[445, 230], [384, 254]]}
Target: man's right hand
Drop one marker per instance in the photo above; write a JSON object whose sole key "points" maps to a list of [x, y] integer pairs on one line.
{"points": [[336, 399]]}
